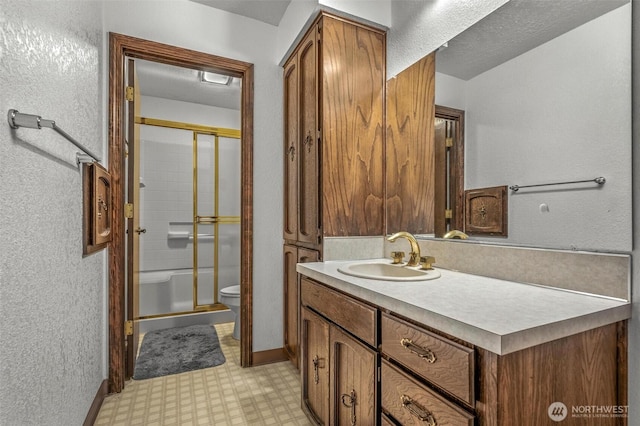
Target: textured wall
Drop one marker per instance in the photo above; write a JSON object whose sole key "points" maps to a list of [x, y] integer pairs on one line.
{"points": [[560, 112], [52, 354], [634, 323]]}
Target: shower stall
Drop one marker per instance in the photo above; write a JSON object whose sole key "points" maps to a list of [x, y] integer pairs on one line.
{"points": [[190, 220]]}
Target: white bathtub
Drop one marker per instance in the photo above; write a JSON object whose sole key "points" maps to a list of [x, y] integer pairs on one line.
{"points": [[165, 292]]}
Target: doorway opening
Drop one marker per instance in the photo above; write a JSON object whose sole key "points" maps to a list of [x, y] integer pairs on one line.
{"points": [[189, 198], [449, 170], [121, 48]]}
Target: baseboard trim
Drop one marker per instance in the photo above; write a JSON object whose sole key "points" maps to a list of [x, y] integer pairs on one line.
{"points": [[92, 415], [269, 357]]}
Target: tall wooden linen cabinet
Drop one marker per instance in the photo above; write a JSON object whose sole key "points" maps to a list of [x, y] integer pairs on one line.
{"points": [[334, 92]]}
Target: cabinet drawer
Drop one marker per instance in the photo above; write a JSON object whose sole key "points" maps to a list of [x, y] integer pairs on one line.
{"points": [[353, 316], [443, 362], [410, 402]]}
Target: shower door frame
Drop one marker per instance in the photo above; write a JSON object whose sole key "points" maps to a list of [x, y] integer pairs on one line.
{"points": [[120, 47]]}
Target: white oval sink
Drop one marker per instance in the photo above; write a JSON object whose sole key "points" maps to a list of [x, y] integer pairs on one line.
{"points": [[388, 272]]}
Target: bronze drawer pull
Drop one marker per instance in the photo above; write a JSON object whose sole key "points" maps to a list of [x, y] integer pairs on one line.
{"points": [[418, 350], [316, 377], [349, 401], [417, 411]]}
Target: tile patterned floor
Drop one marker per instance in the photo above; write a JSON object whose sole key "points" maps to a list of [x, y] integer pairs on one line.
{"points": [[224, 395]]}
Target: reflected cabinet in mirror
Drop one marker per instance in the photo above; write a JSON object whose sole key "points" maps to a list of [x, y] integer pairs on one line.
{"points": [[545, 88]]}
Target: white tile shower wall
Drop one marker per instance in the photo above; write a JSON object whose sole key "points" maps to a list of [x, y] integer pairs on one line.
{"points": [[167, 202]]}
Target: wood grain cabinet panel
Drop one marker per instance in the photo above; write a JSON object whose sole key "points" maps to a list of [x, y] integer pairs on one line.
{"points": [[410, 149], [447, 364], [290, 228], [334, 90], [464, 385], [353, 397], [350, 314], [292, 256], [315, 366], [411, 403]]}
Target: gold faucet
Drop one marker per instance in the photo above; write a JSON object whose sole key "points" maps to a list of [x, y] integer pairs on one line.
{"points": [[455, 234], [414, 256]]}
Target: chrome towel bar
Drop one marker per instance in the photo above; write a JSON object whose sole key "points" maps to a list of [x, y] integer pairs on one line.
{"points": [[17, 119], [599, 180]]}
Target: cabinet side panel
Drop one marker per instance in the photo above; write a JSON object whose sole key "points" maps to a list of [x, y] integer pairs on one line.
{"points": [[410, 166], [353, 85], [579, 371]]}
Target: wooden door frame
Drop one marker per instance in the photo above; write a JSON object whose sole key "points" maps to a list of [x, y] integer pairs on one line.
{"points": [[121, 46], [457, 172]]}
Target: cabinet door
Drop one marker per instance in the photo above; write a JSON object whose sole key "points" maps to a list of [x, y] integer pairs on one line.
{"points": [[315, 366], [291, 303], [293, 255], [308, 175], [353, 396], [291, 150]]}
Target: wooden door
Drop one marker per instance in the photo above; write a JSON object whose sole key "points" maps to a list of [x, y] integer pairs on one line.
{"points": [[308, 150], [291, 150], [315, 366], [353, 376], [133, 223], [449, 170]]}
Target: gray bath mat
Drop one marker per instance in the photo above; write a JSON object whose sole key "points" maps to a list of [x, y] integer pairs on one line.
{"points": [[177, 350]]}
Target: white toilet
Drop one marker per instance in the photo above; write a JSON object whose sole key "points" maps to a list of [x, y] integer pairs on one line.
{"points": [[230, 296]]}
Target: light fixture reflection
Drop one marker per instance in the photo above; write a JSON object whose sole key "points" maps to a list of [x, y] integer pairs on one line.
{"points": [[213, 78]]}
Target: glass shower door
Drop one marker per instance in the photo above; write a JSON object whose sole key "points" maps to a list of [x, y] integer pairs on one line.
{"points": [[216, 224]]}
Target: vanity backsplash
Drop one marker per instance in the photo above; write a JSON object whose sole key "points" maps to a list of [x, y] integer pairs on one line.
{"points": [[603, 274]]}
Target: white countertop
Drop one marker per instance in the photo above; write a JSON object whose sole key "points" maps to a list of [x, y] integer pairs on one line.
{"points": [[497, 315]]}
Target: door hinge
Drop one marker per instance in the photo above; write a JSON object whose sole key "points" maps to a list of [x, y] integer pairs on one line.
{"points": [[448, 214], [128, 210], [128, 93], [128, 328], [448, 142]]}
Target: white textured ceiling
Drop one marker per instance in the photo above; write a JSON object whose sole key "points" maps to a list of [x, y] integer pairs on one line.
{"points": [[269, 11], [513, 29]]}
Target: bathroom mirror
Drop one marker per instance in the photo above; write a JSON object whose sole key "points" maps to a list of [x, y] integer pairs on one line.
{"points": [[546, 90]]}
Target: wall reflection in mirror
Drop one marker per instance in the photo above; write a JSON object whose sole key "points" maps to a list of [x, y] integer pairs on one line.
{"points": [[546, 91]]}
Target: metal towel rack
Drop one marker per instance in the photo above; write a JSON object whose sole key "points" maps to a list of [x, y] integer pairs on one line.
{"points": [[599, 180], [17, 119]]}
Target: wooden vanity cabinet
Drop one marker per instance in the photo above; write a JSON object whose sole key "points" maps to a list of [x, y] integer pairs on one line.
{"points": [[422, 376], [339, 369]]}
